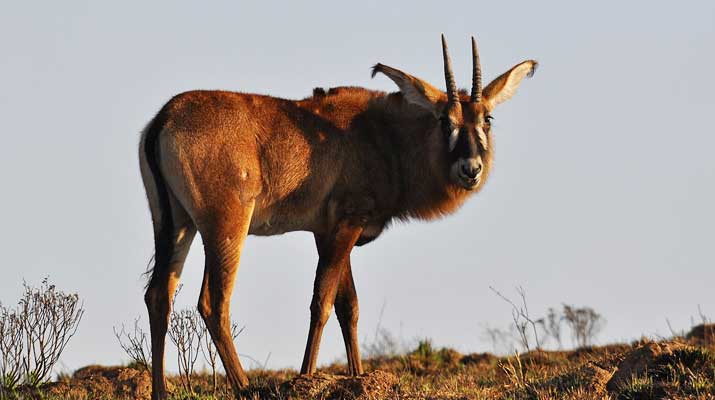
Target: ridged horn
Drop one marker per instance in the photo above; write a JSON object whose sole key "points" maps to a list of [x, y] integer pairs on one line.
{"points": [[448, 74], [476, 74]]}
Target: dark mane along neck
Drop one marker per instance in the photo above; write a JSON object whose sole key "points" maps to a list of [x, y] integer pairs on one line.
{"points": [[398, 152], [421, 153]]}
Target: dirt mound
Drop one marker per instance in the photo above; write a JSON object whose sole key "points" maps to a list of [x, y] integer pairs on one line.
{"points": [[640, 361], [95, 381], [372, 385], [703, 334], [478, 359], [590, 377], [594, 377]]}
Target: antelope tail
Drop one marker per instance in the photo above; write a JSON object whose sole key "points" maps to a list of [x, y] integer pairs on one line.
{"points": [[160, 206]]}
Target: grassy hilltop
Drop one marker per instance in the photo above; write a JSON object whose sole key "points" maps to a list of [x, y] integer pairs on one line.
{"points": [[34, 333], [678, 368]]}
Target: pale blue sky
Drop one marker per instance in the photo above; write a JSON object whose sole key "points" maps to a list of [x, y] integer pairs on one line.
{"points": [[602, 192]]}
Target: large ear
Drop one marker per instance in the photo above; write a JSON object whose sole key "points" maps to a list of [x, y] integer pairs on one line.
{"points": [[502, 88], [415, 90]]}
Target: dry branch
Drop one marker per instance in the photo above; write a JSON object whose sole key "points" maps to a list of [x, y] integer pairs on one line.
{"points": [[49, 320], [11, 349], [521, 318], [135, 344]]}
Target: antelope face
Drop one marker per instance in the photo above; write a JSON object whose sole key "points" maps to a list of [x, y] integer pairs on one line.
{"points": [[467, 140], [464, 122], [467, 124]]}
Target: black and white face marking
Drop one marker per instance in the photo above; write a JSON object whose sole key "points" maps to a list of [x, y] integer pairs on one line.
{"points": [[466, 145], [452, 132]]}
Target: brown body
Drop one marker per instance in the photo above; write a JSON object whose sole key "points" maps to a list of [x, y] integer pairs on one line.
{"points": [[340, 164]]}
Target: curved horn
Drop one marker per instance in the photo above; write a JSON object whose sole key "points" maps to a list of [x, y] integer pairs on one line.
{"points": [[448, 74], [476, 74]]}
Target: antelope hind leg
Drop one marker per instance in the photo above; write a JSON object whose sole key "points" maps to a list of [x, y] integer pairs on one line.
{"points": [[222, 244], [162, 284]]}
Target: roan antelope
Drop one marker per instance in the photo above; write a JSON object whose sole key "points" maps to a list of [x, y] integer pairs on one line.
{"points": [[341, 164]]}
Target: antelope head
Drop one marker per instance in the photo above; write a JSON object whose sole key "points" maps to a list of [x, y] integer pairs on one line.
{"points": [[464, 122]]}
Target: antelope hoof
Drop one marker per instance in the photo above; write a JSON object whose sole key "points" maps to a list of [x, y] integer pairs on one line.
{"points": [[158, 395]]}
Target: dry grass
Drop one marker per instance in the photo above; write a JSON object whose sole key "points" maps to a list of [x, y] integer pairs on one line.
{"points": [[674, 369]]}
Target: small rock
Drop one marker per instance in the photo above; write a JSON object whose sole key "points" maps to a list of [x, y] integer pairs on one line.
{"points": [[639, 361], [376, 384], [104, 382]]}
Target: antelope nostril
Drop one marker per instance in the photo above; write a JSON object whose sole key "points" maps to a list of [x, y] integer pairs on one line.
{"points": [[469, 171], [479, 168]]}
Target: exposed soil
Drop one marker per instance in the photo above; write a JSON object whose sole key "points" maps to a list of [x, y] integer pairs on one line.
{"points": [[375, 384], [674, 369]]}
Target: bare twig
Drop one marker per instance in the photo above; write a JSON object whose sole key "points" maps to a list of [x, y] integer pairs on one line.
{"points": [[673, 332], [521, 318], [501, 340], [49, 320], [383, 343], [552, 326], [708, 332], [208, 350], [11, 349], [703, 317], [135, 344], [585, 324], [236, 331], [186, 332], [379, 319]]}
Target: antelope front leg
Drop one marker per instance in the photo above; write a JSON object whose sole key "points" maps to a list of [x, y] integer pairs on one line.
{"points": [[333, 251], [347, 310]]}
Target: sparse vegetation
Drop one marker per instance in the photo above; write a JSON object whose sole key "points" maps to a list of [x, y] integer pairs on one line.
{"points": [[671, 369], [552, 326], [188, 333], [523, 322], [208, 350], [11, 348], [679, 368], [34, 334], [638, 387], [135, 344], [383, 343], [584, 324]]}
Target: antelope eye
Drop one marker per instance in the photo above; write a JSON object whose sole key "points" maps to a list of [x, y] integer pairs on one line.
{"points": [[488, 119]]}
